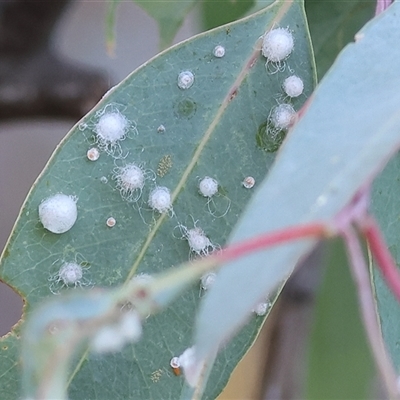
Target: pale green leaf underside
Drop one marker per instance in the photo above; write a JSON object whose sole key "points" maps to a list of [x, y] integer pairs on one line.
{"points": [[349, 131], [210, 129]]}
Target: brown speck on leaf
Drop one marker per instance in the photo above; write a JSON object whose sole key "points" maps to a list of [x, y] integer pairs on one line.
{"points": [[233, 94]]}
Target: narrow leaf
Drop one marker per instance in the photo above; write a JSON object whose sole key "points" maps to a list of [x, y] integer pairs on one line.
{"points": [[169, 16], [347, 134], [177, 136]]}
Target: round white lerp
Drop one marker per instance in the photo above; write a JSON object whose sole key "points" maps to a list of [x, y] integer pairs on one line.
{"points": [[282, 116], [248, 182], [160, 199], [111, 127], [70, 273], [58, 213], [293, 86], [185, 80], [93, 154], [219, 51], [208, 186], [174, 363], [277, 44]]}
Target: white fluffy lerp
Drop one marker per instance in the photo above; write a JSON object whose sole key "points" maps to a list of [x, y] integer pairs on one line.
{"points": [[277, 44], [111, 127], [58, 213], [130, 179], [282, 116], [70, 273], [208, 186], [293, 86], [198, 241], [160, 199]]}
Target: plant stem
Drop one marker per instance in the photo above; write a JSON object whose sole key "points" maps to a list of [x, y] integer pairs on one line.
{"points": [[380, 252], [382, 5], [367, 307], [317, 230]]}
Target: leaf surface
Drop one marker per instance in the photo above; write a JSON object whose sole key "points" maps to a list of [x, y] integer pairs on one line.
{"points": [[349, 131], [177, 136], [385, 206]]}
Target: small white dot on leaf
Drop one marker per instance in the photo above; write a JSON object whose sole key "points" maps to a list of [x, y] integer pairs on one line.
{"points": [[219, 51], [93, 154], [161, 129], [111, 222], [248, 182], [185, 80]]}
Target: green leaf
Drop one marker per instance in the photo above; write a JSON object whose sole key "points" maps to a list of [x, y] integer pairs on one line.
{"points": [[385, 206], [169, 16], [333, 25], [210, 129], [349, 131], [216, 13], [340, 362], [110, 25]]}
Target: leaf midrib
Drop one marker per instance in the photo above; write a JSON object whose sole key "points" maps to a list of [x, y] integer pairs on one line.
{"points": [[248, 64]]}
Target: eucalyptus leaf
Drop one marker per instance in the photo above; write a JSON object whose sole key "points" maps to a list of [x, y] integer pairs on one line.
{"points": [[340, 361], [385, 206], [333, 24], [176, 136], [348, 132], [169, 16]]}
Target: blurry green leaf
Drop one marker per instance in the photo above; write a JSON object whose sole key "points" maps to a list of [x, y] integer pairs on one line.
{"points": [[349, 131], [333, 24], [216, 13], [110, 25], [340, 363], [169, 15], [183, 135]]}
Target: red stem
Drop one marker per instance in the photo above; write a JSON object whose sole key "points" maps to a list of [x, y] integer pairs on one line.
{"points": [[382, 255], [234, 251]]}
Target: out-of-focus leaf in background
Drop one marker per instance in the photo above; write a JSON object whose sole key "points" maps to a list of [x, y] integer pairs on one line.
{"points": [[340, 362]]}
